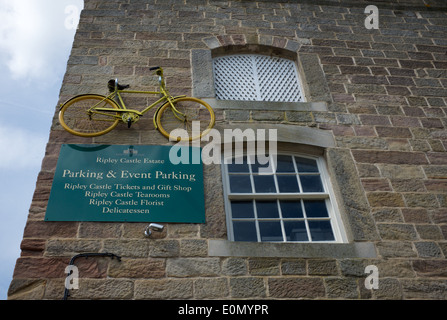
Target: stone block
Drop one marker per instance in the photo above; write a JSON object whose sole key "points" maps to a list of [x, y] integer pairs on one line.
{"points": [[390, 157], [341, 288], [374, 120], [396, 171], [127, 248], [426, 289], [387, 215], [99, 230], [39, 268], [293, 267], [32, 246], [430, 268], [395, 268], [193, 248], [429, 232], [353, 267], [362, 142], [234, 267], [163, 289], [424, 200], [163, 248], [193, 267], [376, 185], [72, 247], [24, 289], [322, 267], [237, 115], [293, 288], [41, 229], [397, 231], [264, 267], [247, 287], [396, 249], [437, 158], [137, 268], [214, 288], [104, 289], [389, 289], [393, 132], [428, 249], [267, 116]]}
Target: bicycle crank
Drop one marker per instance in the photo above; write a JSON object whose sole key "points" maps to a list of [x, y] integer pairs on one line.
{"points": [[129, 118]]}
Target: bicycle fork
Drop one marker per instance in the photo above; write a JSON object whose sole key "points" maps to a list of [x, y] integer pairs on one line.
{"points": [[179, 115], [173, 108]]}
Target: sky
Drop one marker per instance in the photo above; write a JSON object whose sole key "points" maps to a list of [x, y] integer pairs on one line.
{"points": [[36, 37]]}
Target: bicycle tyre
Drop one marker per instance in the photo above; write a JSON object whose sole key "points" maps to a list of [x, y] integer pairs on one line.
{"points": [[74, 118], [195, 109]]}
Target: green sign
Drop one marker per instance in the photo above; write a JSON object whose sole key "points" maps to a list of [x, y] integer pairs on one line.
{"points": [[127, 183]]}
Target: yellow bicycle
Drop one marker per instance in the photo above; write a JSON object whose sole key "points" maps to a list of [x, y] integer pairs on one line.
{"points": [[91, 115]]}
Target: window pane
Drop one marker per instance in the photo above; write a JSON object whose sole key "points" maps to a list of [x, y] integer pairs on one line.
{"points": [[321, 231], [316, 209], [311, 184], [288, 184], [291, 209], [305, 165], [295, 231], [242, 209], [264, 184], [240, 184], [267, 209], [237, 168], [244, 231], [285, 164], [256, 165], [270, 231], [237, 165]]}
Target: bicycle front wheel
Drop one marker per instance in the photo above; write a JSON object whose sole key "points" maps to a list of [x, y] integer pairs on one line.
{"points": [[79, 117], [193, 116]]}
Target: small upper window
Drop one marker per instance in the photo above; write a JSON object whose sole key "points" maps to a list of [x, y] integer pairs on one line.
{"points": [[256, 78]]}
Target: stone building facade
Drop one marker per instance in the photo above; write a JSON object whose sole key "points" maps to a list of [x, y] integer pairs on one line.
{"points": [[374, 112]]}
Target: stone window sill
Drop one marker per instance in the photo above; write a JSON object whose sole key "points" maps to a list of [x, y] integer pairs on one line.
{"points": [[266, 105], [225, 248]]}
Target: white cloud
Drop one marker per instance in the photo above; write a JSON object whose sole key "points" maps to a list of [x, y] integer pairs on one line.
{"points": [[20, 149], [33, 35]]}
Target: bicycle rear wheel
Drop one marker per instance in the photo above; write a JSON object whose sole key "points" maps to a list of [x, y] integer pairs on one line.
{"points": [[78, 115], [192, 115]]}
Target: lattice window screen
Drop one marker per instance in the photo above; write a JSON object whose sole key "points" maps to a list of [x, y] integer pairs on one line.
{"points": [[256, 78]]}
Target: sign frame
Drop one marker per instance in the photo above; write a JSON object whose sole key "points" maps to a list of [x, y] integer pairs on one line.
{"points": [[127, 183]]}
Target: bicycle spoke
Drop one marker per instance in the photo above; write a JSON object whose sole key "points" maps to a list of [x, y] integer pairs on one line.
{"points": [[190, 114], [79, 117]]}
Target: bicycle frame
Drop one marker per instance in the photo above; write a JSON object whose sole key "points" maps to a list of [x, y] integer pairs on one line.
{"points": [[165, 96]]}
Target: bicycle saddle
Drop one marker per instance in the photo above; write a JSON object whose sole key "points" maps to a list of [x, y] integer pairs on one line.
{"points": [[113, 84]]}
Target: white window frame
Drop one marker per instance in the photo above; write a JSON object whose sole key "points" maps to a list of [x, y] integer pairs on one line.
{"points": [[328, 195], [252, 86]]}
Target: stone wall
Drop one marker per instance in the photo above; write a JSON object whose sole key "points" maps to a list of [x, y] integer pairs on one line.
{"points": [[379, 95]]}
